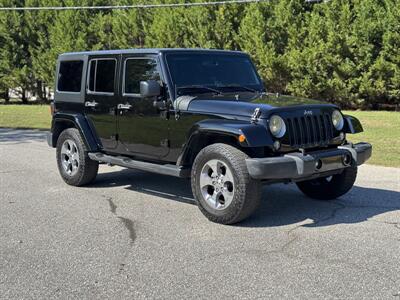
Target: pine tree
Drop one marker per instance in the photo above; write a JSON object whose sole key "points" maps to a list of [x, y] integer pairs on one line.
{"points": [[15, 58]]}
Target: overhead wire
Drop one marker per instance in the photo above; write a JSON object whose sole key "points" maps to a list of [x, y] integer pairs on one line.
{"points": [[134, 6]]}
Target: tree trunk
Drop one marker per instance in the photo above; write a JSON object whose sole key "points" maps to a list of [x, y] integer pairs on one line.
{"points": [[6, 96], [45, 98], [39, 91], [23, 98]]}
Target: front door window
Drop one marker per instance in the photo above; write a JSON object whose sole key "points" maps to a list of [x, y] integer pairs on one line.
{"points": [[137, 70]]}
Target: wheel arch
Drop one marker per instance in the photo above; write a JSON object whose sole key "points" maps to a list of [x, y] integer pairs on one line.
{"points": [[62, 122], [209, 132], [352, 125], [199, 140]]}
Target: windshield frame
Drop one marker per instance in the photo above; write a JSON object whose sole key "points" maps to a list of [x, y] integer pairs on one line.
{"points": [[173, 87]]}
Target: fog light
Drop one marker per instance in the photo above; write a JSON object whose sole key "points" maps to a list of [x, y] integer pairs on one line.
{"points": [[318, 164], [277, 145], [347, 159]]}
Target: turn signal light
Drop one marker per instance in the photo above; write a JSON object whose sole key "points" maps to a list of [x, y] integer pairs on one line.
{"points": [[241, 138]]}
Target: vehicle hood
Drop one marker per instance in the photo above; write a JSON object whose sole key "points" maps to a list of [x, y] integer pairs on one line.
{"points": [[245, 107]]}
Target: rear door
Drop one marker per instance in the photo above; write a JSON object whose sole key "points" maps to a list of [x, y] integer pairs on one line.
{"points": [[101, 98]]}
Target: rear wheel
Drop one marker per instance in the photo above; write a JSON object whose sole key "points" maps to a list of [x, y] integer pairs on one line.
{"points": [[331, 187], [222, 186], [74, 165]]}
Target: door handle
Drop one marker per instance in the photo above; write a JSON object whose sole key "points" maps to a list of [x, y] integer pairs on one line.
{"points": [[91, 104], [124, 106]]}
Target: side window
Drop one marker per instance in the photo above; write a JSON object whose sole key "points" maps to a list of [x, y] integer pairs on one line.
{"points": [[102, 76], [137, 70], [70, 76]]}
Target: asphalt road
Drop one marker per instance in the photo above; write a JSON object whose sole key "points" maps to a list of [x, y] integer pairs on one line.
{"points": [[139, 235]]}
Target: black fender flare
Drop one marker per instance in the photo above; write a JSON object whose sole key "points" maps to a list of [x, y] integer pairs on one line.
{"points": [[352, 125], [79, 121], [256, 135]]}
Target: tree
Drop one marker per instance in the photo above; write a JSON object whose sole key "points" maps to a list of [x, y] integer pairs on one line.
{"points": [[342, 51], [40, 24], [129, 26], [15, 58]]}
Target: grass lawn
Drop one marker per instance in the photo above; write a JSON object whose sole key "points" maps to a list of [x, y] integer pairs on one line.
{"points": [[25, 116], [381, 128]]}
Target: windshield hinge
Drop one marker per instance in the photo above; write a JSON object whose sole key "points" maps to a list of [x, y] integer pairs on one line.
{"points": [[177, 115]]}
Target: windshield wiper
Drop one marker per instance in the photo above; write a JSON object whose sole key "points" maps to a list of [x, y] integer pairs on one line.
{"points": [[200, 87], [239, 87]]}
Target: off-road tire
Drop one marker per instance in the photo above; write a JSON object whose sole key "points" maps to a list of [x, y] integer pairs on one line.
{"points": [[87, 169], [322, 189], [247, 191]]}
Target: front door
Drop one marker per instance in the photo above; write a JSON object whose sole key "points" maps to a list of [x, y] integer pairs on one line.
{"points": [[142, 126], [101, 99]]}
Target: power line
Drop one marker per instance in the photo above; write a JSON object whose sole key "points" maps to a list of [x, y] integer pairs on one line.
{"points": [[136, 6]]}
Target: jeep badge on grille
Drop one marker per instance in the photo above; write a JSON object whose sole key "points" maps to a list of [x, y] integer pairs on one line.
{"points": [[308, 113]]}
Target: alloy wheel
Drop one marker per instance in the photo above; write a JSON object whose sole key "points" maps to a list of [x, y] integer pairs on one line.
{"points": [[70, 157], [217, 184]]}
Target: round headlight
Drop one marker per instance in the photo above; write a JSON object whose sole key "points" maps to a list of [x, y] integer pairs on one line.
{"points": [[277, 126], [337, 120]]}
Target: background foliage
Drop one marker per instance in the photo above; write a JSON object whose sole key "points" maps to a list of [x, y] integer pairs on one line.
{"points": [[345, 51]]}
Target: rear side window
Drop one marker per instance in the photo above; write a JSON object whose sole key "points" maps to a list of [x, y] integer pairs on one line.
{"points": [[102, 76], [70, 76], [137, 70]]}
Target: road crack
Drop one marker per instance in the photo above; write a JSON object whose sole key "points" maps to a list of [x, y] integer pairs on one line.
{"points": [[113, 207], [129, 226], [128, 223], [333, 214]]}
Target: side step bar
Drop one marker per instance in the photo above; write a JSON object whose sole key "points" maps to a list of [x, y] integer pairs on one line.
{"points": [[127, 162]]}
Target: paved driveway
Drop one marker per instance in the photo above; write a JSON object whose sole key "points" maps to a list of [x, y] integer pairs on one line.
{"points": [[139, 235]]}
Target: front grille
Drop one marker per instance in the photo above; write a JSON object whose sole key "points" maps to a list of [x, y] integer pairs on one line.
{"points": [[309, 131]]}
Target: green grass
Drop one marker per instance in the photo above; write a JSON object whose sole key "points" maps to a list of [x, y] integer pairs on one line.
{"points": [[25, 116], [381, 128]]}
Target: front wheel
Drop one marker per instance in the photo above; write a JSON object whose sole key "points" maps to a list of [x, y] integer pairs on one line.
{"points": [[222, 186], [331, 187], [74, 164]]}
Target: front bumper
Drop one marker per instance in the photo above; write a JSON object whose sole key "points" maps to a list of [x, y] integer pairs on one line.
{"points": [[296, 166]]}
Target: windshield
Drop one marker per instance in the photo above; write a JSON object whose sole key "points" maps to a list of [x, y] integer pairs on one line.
{"points": [[225, 72]]}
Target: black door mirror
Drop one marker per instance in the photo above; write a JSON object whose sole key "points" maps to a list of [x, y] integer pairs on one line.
{"points": [[150, 88]]}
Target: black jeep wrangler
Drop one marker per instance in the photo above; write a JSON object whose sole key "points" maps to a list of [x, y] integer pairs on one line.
{"points": [[203, 114]]}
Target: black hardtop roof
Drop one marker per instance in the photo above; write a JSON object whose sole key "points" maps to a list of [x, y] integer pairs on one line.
{"points": [[146, 51]]}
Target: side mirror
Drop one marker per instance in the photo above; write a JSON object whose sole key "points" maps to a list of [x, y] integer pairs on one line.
{"points": [[150, 88]]}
